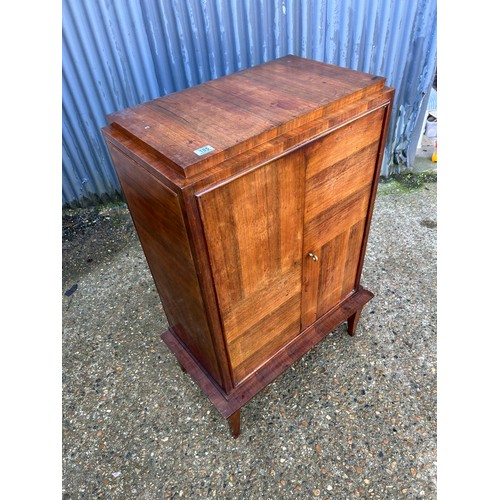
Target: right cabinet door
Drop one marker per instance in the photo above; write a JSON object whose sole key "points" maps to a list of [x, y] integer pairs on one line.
{"points": [[340, 171]]}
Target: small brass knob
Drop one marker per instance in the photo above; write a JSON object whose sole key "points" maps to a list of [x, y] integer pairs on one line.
{"points": [[313, 257]]}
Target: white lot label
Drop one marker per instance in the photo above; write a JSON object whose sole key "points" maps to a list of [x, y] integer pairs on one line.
{"points": [[204, 150]]}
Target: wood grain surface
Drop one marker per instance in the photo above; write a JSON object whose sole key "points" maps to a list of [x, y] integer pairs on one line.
{"points": [[253, 228], [340, 170], [240, 111], [160, 225]]}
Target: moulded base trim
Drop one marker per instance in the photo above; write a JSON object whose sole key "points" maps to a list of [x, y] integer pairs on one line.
{"points": [[227, 404]]}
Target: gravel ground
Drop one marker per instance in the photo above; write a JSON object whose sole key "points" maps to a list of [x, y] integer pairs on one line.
{"points": [[355, 417]]}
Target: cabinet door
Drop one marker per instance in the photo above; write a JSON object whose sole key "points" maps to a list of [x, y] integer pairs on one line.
{"points": [[340, 170], [253, 226]]}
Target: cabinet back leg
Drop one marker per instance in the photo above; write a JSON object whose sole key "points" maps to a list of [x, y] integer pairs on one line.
{"points": [[234, 423], [352, 322]]}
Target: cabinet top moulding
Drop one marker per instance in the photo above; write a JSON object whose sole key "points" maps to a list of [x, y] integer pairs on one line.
{"points": [[238, 112]]}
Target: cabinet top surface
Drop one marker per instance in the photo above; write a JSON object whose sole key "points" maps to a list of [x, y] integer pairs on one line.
{"points": [[199, 127]]}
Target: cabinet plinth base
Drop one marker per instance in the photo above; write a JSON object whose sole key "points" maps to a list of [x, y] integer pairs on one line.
{"points": [[228, 404]]}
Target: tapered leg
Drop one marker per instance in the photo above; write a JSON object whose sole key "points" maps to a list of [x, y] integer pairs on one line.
{"points": [[182, 368], [352, 323], [234, 422]]}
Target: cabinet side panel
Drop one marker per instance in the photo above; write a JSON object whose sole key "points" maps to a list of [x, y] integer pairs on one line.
{"points": [[159, 222], [253, 228]]}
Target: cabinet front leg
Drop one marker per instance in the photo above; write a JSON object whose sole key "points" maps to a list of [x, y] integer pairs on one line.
{"points": [[234, 423], [352, 323], [181, 367]]}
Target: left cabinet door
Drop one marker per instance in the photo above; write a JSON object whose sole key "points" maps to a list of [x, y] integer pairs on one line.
{"points": [[253, 225]]}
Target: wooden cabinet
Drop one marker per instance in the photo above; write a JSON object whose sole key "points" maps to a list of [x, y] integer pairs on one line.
{"points": [[252, 196]]}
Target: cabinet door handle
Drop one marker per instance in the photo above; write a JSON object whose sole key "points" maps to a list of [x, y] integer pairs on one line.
{"points": [[313, 257]]}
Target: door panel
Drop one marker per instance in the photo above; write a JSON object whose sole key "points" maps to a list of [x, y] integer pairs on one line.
{"points": [[339, 174], [253, 226]]}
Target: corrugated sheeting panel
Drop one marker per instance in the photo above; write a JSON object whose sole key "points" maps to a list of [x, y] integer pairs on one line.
{"points": [[120, 53]]}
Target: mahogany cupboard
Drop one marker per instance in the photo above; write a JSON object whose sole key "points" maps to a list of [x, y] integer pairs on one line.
{"points": [[252, 196]]}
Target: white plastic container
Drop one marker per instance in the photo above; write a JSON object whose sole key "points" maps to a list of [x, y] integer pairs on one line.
{"points": [[431, 128]]}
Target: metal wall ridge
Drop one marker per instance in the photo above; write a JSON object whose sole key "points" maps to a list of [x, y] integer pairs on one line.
{"points": [[120, 53]]}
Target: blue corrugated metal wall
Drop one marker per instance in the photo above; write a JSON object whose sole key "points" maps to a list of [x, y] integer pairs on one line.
{"points": [[120, 53]]}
